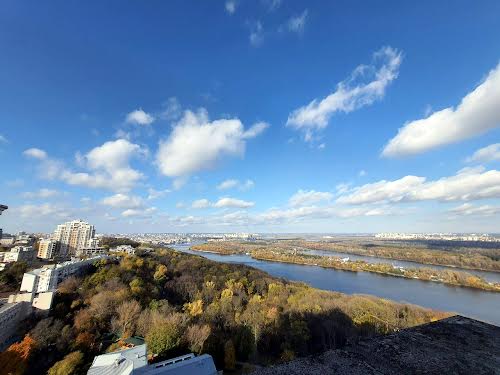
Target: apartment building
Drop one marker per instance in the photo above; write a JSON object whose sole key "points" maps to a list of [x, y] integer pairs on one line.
{"points": [[10, 316], [47, 249], [73, 235], [18, 254]]}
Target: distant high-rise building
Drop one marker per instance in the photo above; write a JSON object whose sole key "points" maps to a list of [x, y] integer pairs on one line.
{"points": [[2, 208], [72, 236], [47, 249]]}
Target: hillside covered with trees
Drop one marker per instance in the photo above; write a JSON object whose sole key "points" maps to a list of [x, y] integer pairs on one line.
{"points": [[183, 303]]}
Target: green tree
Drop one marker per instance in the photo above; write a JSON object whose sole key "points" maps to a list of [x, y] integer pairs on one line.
{"points": [[68, 365], [163, 338]]}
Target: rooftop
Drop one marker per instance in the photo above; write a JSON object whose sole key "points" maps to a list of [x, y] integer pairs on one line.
{"points": [[455, 345]]}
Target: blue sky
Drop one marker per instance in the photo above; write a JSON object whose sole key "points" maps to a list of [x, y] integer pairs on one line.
{"points": [[256, 116]]}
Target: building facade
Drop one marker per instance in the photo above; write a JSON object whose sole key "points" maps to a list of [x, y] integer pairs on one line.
{"points": [[10, 316], [18, 254], [47, 249], [72, 236]]}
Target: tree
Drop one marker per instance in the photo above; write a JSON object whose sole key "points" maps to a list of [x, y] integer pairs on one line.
{"points": [[14, 361], [196, 335], [229, 356], [160, 274], [194, 308], [128, 315], [68, 365], [163, 338], [46, 332]]}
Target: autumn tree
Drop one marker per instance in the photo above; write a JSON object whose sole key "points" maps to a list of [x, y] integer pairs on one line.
{"points": [[128, 314], [196, 335], [68, 365], [14, 361]]}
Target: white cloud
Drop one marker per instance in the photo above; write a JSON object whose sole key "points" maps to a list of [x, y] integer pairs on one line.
{"points": [[230, 6], [362, 173], [155, 194], [296, 24], [477, 113], [140, 213], [108, 163], [31, 211], [304, 197], [171, 109], [35, 153], [256, 34], [233, 203], [3, 139], [486, 154], [41, 194], [232, 184], [196, 144], [123, 201], [468, 209], [467, 184], [139, 117], [272, 5], [366, 84], [200, 203]]}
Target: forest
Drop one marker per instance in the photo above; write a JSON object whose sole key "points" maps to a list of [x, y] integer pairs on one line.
{"points": [[182, 303]]}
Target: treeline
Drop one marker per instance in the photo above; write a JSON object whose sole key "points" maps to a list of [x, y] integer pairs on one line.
{"points": [[469, 260], [183, 303], [458, 278], [111, 242]]}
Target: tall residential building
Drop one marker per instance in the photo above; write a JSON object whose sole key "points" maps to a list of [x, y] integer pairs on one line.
{"points": [[47, 249], [2, 208], [73, 236]]}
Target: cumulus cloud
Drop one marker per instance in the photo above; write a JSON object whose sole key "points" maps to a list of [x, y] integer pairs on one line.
{"points": [[41, 194], [235, 184], [486, 154], [109, 166], [477, 113], [196, 143], [366, 84], [233, 203], [145, 213], [467, 184], [297, 23], [308, 197], [35, 153], [46, 210], [120, 200], [225, 202], [139, 117]]}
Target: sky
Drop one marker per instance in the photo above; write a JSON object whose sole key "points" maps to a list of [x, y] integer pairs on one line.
{"points": [[250, 116]]}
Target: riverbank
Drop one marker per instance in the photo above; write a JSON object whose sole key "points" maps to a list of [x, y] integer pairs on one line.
{"points": [[278, 253], [456, 278], [473, 259]]}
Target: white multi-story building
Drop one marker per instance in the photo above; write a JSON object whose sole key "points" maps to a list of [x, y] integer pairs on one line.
{"points": [[10, 316], [18, 254], [123, 249], [48, 277], [47, 249], [72, 236]]}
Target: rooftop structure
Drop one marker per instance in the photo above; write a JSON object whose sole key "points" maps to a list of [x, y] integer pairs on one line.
{"points": [[134, 361]]}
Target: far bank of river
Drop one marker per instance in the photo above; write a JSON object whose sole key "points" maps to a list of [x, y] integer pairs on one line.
{"points": [[477, 304]]}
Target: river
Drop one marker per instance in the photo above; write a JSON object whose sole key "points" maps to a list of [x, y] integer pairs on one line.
{"points": [[478, 304]]}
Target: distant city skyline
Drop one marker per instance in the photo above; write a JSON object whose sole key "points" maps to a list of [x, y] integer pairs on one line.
{"points": [[256, 119]]}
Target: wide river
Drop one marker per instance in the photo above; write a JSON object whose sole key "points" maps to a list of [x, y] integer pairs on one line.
{"points": [[469, 302]]}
